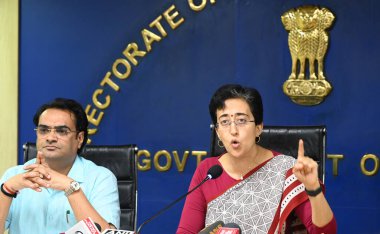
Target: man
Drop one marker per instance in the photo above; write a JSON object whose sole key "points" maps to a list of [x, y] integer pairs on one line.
{"points": [[53, 192]]}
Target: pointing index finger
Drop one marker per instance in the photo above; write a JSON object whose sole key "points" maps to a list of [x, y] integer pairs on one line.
{"points": [[301, 151]]}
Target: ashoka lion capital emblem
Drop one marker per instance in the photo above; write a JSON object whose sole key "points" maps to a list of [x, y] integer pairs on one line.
{"points": [[308, 41]]}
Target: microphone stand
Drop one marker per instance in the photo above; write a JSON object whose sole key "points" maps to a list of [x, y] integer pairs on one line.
{"points": [[171, 204]]}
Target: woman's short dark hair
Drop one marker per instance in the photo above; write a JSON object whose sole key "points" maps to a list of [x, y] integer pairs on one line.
{"points": [[81, 122], [229, 91]]}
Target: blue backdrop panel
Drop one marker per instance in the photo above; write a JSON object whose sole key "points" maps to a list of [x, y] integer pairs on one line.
{"points": [[67, 48]]}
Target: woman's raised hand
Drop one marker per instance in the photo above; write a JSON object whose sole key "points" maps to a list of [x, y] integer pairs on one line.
{"points": [[306, 169]]}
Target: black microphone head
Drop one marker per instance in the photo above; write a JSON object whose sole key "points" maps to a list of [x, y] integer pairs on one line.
{"points": [[215, 171], [98, 227], [233, 225]]}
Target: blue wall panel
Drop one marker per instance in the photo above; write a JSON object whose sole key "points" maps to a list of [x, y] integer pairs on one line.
{"points": [[67, 47]]}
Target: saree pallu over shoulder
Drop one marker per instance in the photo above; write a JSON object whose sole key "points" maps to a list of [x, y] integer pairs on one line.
{"points": [[262, 201]]}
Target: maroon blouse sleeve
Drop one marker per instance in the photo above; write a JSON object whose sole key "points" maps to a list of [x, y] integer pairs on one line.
{"points": [[194, 210], [303, 212]]}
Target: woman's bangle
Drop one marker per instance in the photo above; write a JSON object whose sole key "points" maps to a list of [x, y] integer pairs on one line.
{"points": [[313, 193], [7, 192]]}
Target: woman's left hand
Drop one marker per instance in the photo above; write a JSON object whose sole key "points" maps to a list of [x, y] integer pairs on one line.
{"points": [[306, 169]]}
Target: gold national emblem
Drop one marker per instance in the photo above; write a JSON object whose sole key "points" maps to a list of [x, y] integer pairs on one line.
{"points": [[308, 42]]}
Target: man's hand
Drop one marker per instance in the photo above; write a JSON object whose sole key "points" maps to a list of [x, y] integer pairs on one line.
{"points": [[40, 158], [306, 169], [47, 178], [30, 179], [26, 180]]}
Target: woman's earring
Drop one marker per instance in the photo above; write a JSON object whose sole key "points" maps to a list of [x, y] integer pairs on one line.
{"points": [[257, 139], [220, 144]]}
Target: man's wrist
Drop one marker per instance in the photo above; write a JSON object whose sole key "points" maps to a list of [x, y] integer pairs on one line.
{"points": [[8, 192], [73, 187]]}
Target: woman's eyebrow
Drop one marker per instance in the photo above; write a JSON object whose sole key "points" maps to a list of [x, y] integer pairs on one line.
{"points": [[236, 114]]}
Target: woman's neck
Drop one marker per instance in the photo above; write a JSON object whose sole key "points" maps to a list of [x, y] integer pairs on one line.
{"points": [[238, 167]]}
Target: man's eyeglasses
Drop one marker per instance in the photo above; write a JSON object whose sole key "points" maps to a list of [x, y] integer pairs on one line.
{"points": [[239, 122], [44, 131]]}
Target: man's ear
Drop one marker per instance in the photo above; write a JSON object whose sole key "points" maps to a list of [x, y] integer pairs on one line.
{"points": [[80, 139]]}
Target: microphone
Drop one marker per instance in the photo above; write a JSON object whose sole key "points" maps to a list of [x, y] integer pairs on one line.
{"points": [[230, 228], [85, 226], [98, 227], [212, 173], [212, 228]]}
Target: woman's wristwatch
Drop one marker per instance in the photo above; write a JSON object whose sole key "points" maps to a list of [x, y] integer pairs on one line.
{"points": [[313, 193]]}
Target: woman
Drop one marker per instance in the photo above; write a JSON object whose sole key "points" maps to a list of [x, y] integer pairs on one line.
{"points": [[259, 188]]}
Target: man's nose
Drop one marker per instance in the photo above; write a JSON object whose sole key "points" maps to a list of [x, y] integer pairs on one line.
{"points": [[52, 134]]}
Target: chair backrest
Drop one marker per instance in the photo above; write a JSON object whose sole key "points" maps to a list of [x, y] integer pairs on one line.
{"points": [[121, 160], [284, 139]]}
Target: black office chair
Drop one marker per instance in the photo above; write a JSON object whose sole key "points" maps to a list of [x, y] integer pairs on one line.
{"points": [[284, 139], [121, 160]]}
